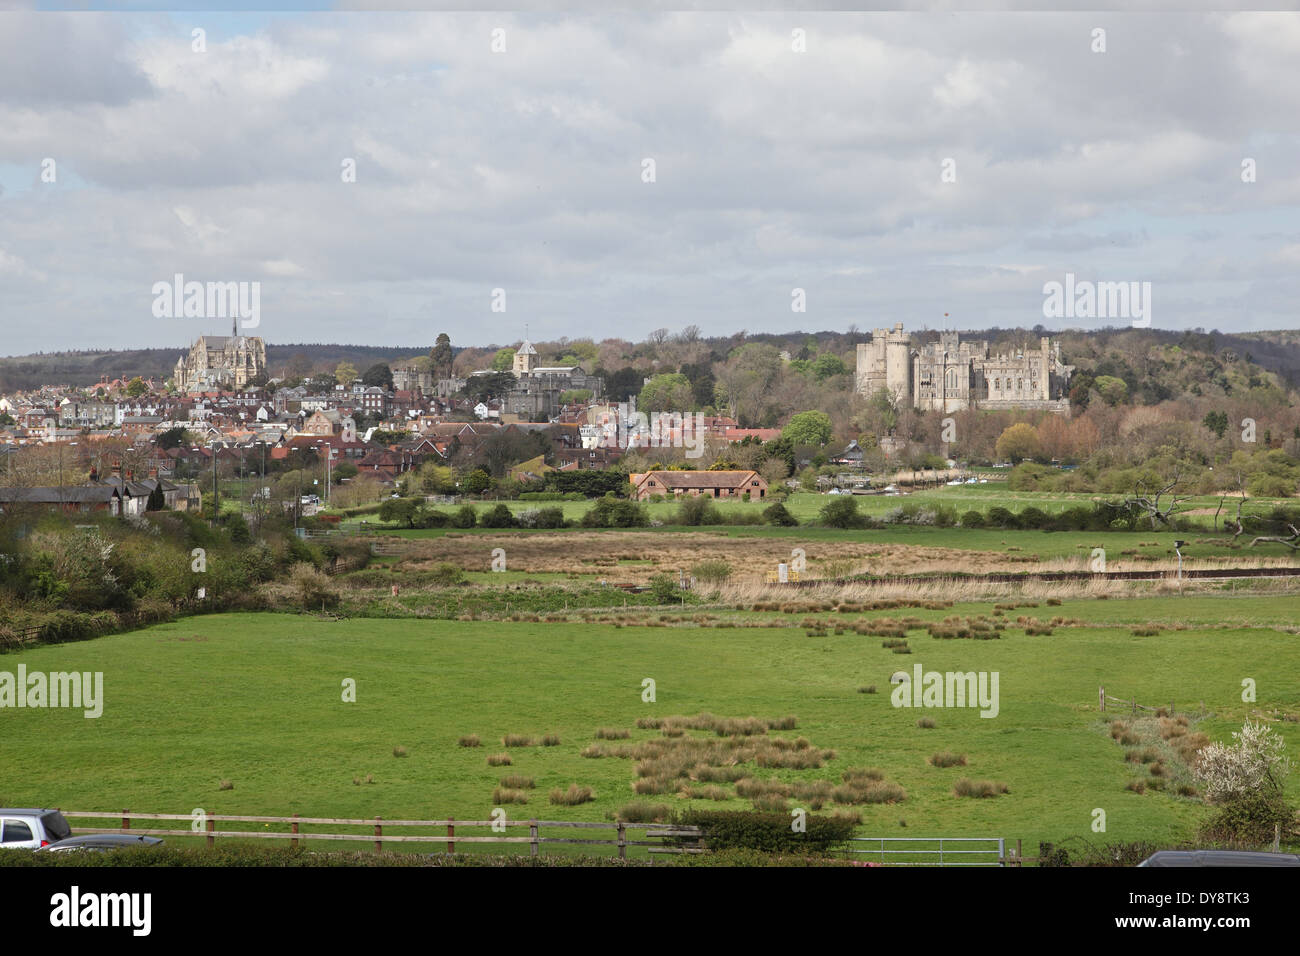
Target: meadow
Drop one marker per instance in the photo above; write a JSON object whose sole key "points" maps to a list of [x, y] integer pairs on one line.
{"points": [[806, 506], [255, 700]]}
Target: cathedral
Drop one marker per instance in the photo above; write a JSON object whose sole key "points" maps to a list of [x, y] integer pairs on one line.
{"points": [[950, 375], [217, 362]]}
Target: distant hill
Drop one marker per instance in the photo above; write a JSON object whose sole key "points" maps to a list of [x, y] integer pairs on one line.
{"points": [[89, 367], [1273, 351]]}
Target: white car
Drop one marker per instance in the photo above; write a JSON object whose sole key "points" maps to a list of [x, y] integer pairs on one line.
{"points": [[31, 829]]}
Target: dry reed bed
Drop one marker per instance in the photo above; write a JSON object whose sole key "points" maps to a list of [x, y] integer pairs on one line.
{"points": [[598, 555]]}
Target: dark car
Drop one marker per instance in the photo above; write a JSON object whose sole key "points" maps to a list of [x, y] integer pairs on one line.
{"points": [[1219, 858], [100, 843]]}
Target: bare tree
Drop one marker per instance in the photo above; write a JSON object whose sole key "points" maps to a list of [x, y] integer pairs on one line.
{"points": [[657, 337], [1292, 541], [1241, 500], [1149, 506]]}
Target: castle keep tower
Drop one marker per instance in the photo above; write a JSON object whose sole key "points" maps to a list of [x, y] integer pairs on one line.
{"points": [[885, 362]]}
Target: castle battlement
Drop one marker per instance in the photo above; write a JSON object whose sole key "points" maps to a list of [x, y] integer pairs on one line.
{"points": [[950, 375]]}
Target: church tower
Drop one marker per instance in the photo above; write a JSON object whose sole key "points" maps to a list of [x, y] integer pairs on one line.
{"points": [[525, 359]]}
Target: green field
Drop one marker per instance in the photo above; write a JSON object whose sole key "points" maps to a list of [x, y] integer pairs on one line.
{"points": [[255, 699], [806, 506]]}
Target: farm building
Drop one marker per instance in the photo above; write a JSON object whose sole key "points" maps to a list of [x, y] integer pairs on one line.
{"points": [[711, 484]]}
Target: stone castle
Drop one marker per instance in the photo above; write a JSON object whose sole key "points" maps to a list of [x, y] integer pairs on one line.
{"points": [[220, 362], [950, 375]]}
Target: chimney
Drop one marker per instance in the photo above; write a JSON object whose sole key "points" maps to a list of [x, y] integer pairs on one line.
{"points": [[94, 473]]}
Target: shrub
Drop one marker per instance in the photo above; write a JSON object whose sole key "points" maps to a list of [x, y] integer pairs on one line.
{"points": [[612, 512], [446, 575], [642, 811], [868, 689], [226, 785], [862, 775], [768, 832], [697, 510], [946, 759], [469, 740], [431, 518], [869, 791], [499, 760], [312, 588], [664, 588], [1033, 518], [966, 787], [507, 795], [517, 781], [926, 723], [498, 517], [399, 751], [549, 518], [708, 792], [465, 517], [572, 796], [779, 515], [842, 513], [712, 572], [1000, 517], [612, 733], [551, 740], [517, 740], [1256, 765], [972, 519]]}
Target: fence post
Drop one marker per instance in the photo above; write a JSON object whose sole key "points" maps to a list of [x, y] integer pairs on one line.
{"points": [[1135, 707], [622, 840], [1020, 854], [532, 835], [126, 821], [451, 836], [294, 842], [1101, 698], [212, 826], [379, 836]]}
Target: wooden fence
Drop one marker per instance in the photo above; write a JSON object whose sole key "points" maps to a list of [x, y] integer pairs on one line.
{"points": [[21, 636], [205, 825], [1133, 705]]}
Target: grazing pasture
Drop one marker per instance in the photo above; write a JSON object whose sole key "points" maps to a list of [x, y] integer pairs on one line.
{"points": [[244, 713]]}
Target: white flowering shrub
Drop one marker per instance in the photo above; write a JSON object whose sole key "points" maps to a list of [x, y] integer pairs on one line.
{"points": [[1256, 764]]}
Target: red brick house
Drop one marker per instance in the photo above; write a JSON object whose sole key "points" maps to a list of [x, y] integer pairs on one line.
{"points": [[711, 484]]}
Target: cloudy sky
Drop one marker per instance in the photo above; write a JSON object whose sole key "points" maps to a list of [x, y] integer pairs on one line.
{"points": [[523, 170]]}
